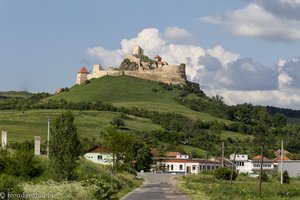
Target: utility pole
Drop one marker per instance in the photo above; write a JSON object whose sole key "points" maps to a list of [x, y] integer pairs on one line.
{"points": [[48, 137], [281, 168], [261, 168], [233, 166], [222, 154]]}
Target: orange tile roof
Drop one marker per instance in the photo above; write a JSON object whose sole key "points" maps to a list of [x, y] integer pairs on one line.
{"points": [[258, 157], [99, 149], [83, 70], [278, 158]]}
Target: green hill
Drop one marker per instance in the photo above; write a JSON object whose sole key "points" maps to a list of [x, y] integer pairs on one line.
{"points": [[126, 91], [15, 94], [24, 125]]}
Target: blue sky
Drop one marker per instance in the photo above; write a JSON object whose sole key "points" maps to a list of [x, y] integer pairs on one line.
{"points": [[244, 50]]}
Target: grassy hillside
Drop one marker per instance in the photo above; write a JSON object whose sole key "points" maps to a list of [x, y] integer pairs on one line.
{"points": [[24, 125], [15, 94], [126, 91]]}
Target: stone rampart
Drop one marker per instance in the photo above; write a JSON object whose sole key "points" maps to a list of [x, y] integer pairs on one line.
{"points": [[174, 74]]}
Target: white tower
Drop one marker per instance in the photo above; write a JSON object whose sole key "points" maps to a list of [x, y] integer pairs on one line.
{"points": [[82, 76], [138, 51]]}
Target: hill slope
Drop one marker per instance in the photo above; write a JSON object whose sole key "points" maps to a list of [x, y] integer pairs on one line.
{"points": [[126, 91]]}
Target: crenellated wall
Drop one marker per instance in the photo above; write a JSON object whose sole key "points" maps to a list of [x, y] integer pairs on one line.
{"points": [[174, 74]]}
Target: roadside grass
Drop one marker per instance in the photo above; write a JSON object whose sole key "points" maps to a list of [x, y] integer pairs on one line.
{"points": [[204, 186], [24, 125], [122, 182]]}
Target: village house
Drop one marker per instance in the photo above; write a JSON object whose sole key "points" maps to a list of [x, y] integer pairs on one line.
{"points": [[250, 166], [182, 164], [99, 155]]}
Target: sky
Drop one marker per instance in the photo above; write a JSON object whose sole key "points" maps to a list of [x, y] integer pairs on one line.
{"points": [[244, 50]]}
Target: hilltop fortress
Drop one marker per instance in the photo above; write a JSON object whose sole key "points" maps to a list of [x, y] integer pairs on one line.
{"points": [[141, 66]]}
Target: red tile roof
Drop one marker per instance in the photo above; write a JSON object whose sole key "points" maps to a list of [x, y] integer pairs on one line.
{"points": [[278, 158], [258, 157], [83, 70], [99, 149]]}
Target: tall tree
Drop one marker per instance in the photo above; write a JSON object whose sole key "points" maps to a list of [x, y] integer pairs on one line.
{"points": [[121, 145], [64, 147], [143, 159]]}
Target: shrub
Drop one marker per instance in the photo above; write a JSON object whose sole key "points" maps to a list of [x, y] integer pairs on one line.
{"points": [[286, 177], [101, 188], [117, 122], [225, 174], [265, 177], [9, 184]]}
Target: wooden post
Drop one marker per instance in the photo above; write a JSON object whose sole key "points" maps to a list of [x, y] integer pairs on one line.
{"points": [[233, 167], [48, 137], [222, 154], [281, 167], [261, 169]]}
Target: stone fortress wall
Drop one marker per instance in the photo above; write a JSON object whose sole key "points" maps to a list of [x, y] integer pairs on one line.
{"points": [[159, 71]]}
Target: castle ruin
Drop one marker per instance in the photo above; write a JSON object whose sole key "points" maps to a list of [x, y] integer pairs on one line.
{"points": [[139, 65]]}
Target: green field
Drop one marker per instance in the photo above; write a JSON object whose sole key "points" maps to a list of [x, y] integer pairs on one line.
{"points": [[205, 187], [24, 125], [234, 135]]}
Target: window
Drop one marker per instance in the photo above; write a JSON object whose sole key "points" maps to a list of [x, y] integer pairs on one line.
{"points": [[180, 167], [99, 157], [194, 167], [171, 167]]}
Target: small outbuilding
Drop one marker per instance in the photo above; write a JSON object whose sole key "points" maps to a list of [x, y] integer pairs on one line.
{"points": [[100, 155]]}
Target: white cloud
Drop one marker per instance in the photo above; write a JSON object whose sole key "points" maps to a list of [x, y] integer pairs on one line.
{"points": [[225, 57], [268, 19], [179, 35], [217, 70], [107, 58], [281, 98]]}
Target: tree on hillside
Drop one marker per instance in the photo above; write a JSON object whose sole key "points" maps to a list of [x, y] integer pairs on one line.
{"points": [[64, 147], [279, 120], [121, 145], [143, 159], [118, 121]]}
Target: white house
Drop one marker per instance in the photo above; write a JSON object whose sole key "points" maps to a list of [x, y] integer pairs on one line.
{"points": [[247, 166], [242, 163], [99, 155], [188, 166]]}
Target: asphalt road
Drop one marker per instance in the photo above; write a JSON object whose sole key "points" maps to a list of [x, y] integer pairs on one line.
{"points": [[156, 186]]}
